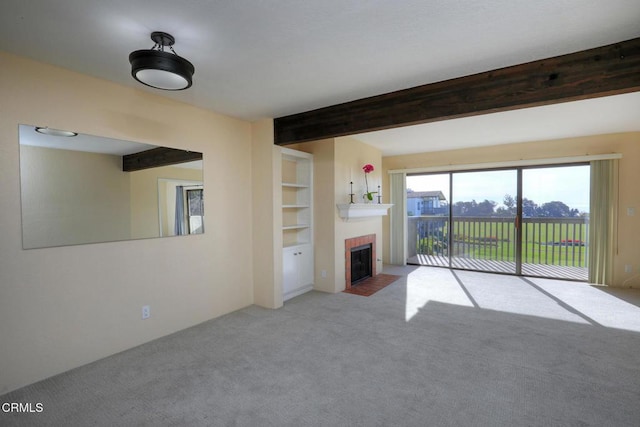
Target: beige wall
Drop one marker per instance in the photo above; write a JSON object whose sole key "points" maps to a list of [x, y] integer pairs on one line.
{"points": [[63, 307], [337, 162], [267, 218], [72, 197], [628, 144]]}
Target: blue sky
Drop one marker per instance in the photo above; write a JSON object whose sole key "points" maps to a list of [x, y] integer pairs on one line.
{"points": [[568, 184]]}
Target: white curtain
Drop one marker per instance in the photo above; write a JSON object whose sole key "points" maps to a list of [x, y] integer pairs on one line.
{"points": [[398, 220], [603, 220]]}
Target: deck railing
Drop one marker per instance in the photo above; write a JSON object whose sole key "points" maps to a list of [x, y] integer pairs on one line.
{"points": [[550, 241]]}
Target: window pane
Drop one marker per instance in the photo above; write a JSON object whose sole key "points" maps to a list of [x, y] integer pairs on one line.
{"points": [[195, 202]]}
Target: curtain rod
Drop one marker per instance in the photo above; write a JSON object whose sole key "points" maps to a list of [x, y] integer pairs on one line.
{"points": [[512, 163]]}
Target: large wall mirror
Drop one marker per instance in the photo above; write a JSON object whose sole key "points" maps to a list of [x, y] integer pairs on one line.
{"points": [[78, 189]]}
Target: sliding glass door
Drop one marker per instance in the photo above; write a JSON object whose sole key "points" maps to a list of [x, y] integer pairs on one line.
{"points": [[525, 221], [428, 212], [484, 213], [555, 210]]}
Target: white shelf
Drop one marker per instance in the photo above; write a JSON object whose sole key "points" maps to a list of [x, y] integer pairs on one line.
{"points": [[294, 185], [295, 206], [295, 226], [362, 210], [294, 245]]}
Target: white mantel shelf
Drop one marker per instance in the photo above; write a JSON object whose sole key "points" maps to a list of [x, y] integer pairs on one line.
{"points": [[362, 210]]}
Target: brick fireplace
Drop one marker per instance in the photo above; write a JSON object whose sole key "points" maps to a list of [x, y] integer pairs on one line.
{"points": [[358, 242]]}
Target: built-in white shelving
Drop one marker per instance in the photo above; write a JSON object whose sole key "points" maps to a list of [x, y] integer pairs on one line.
{"points": [[297, 222]]}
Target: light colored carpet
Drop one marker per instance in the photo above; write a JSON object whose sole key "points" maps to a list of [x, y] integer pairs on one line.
{"points": [[435, 348]]}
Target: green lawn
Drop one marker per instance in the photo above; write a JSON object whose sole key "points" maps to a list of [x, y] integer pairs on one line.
{"points": [[496, 241]]}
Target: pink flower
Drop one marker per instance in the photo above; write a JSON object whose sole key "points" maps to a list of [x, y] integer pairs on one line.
{"points": [[368, 168]]}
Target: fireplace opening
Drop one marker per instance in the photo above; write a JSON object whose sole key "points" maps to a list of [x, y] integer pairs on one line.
{"points": [[357, 243], [361, 263]]}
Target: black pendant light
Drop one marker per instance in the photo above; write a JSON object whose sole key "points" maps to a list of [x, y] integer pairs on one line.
{"points": [[159, 69]]}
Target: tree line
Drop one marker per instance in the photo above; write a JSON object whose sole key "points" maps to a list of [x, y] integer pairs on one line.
{"points": [[487, 208]]}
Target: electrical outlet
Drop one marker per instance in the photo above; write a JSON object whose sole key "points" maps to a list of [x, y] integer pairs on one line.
{"points": [[146, 312], [631, 211], [323, 273], [628, 268]]}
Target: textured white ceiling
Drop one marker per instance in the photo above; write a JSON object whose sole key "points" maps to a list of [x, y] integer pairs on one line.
{"points": [[257, 59], [613, 114]]}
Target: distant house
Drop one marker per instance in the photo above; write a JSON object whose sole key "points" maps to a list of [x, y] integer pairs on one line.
{"points": [[426, 203]]}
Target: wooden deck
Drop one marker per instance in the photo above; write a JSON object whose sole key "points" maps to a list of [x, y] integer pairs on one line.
{"points": [[537, 270]]}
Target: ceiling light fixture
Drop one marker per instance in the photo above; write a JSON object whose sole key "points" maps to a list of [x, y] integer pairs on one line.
{"points": [[55, 132], [159, 69]]}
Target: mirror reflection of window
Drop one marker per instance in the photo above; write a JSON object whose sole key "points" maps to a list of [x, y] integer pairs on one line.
{"points": [[189, 216], [181, 207], [195, 210]]}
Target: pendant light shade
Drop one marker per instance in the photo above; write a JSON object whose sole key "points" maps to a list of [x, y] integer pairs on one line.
{"points": [[159, 69]]}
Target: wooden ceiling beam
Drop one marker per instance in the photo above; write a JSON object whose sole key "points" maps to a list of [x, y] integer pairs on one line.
{"points": [[156, 157], [592, 73]]}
